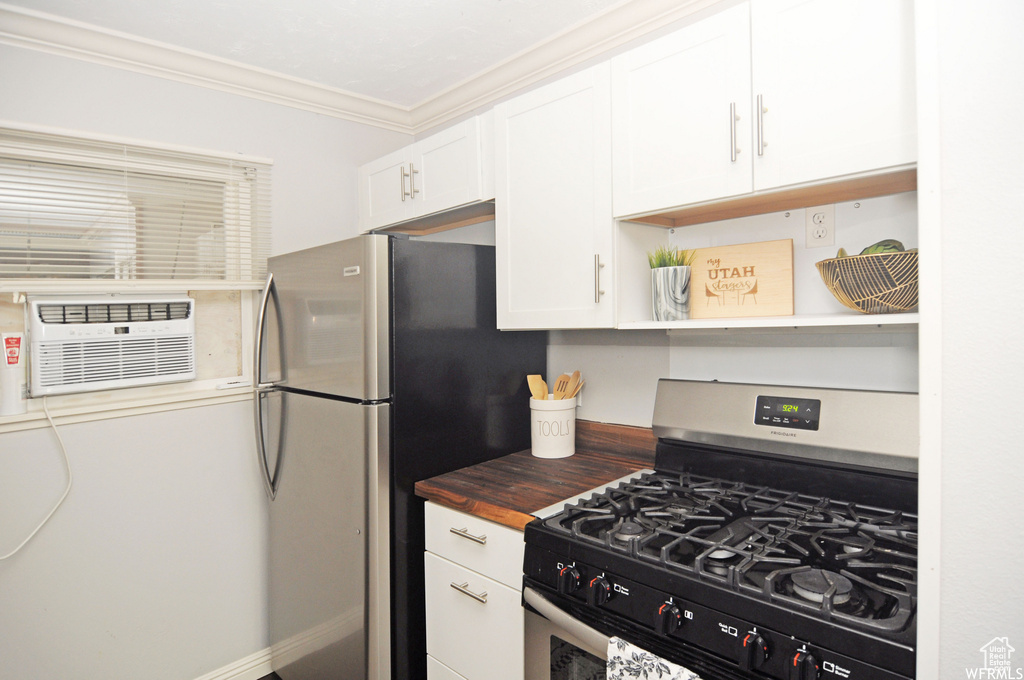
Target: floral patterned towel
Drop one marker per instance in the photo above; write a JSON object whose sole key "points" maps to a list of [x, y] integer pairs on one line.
{"points": [[629, 662]]}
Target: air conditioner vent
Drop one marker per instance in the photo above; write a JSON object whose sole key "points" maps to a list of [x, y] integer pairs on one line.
{"points": [[113, 313], [83, 345]]}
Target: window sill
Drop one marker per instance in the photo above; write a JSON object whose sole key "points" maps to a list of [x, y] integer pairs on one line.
{"points": [[87, 407]]}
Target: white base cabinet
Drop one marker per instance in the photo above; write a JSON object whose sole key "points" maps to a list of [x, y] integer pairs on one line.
{"points": [[451, 168], [473, 601]]}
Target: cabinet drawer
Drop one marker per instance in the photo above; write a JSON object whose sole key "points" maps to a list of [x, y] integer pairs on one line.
{"points": [[477, 639], [483, 546]]}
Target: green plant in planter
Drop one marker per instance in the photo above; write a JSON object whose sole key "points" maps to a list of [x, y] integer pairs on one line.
{"points": [[671, 257]]}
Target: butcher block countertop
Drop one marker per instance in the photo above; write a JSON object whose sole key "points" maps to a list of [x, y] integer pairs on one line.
{"points": [[506, 490]]}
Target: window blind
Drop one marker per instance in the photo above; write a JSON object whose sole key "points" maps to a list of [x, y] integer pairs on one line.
{"points": [[76, 208]]}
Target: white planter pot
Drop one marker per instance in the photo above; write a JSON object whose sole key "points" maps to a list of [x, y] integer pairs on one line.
{"points": [[670, 293]]}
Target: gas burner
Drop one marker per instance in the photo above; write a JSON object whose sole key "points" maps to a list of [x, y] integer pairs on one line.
{"points": [[629, 531], [857, 545], [681, 508], [814, 584]]}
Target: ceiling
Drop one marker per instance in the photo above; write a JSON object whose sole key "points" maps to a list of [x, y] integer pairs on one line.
{"points": [[405, 64]]}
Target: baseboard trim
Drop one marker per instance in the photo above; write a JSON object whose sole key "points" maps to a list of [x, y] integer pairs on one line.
{"points": [[252, 667]]}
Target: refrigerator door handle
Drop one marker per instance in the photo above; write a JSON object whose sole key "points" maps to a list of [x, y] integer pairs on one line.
{"points": [[269, 289], [269, 483], [261, 389]]}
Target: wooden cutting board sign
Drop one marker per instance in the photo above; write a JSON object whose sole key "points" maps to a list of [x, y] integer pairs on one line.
{"points": [[752, 279]]}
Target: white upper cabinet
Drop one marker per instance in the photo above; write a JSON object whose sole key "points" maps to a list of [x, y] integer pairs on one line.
{"points": [[383, 190], [763, 95], [443, 171], [553, 213], [837, 84], [681, 122]]}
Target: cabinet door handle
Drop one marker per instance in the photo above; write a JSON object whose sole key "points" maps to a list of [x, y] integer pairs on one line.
{"points": [[404, 175], [482, 539], [597, 279], [412, 181], [761, 110], [464, 589], [732, 130]]}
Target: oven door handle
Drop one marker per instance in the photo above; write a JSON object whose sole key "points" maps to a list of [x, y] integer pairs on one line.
{"points": [[566, 622]]}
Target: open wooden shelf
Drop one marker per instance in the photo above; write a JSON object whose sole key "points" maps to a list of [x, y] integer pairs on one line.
{"points": [[463, 216], [815, 322], [847, 189]]}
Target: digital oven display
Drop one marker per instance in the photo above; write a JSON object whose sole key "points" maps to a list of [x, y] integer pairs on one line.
{"points": [[801, 414]]}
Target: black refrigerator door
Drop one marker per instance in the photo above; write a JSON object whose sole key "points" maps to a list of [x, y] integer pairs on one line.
{"points": [[459, 397]]}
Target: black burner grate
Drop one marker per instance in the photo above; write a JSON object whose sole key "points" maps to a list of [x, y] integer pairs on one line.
{"points": [[843, 562]]}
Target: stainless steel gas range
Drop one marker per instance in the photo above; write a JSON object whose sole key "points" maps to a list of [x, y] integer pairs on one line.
{"points": [[775, 538]]}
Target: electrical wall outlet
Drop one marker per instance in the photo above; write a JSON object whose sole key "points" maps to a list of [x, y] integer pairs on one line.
{"points": [[821, 226]]}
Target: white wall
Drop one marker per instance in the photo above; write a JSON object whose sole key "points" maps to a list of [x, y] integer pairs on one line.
{"points": [[972, 366], [154, 568], [154, 565], [622, 368]]}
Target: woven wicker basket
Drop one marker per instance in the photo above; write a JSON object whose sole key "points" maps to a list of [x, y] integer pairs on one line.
{"points": [[881, 283]]}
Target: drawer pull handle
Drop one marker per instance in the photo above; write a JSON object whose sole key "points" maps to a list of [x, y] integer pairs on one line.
{"points": [[482, 539], [464, 589]]}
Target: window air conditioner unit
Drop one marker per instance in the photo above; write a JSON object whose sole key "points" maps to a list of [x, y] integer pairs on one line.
{"points": [[79, 344]]}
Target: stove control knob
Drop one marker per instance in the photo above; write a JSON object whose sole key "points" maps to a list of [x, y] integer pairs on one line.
{"points": [[754, 652], [568, 580], [669, 619], [804, 666], [598, 591]]}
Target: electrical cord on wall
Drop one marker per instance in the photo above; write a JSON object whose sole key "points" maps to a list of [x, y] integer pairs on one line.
{"points": [[67, 464]]}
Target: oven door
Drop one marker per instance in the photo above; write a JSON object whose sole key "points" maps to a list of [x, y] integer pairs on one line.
{"points": [[558, 647]]}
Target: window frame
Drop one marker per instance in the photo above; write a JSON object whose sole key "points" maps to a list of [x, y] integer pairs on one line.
{"points": [[99, 405]]}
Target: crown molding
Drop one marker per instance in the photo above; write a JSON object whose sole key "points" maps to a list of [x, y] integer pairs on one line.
{"points": [[55, 35], [574, 46], [30, 29]]}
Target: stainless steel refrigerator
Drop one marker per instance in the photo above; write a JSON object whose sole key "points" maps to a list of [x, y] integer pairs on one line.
{"points": [[377, 364]]}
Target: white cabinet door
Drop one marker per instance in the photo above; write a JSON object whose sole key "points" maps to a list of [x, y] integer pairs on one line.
{"points": [[474, 624], [447, 168], [553, 213], [837, 83], [384, 190], [681, 123], [443, 171]]}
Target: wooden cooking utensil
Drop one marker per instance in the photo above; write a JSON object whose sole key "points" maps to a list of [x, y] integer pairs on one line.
{"points": [[577, 390], [561, 386], [574, 380], [538, 388]]}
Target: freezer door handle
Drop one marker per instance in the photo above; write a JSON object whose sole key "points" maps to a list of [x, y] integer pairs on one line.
{"points": [[269, 290], [261, 389]]}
